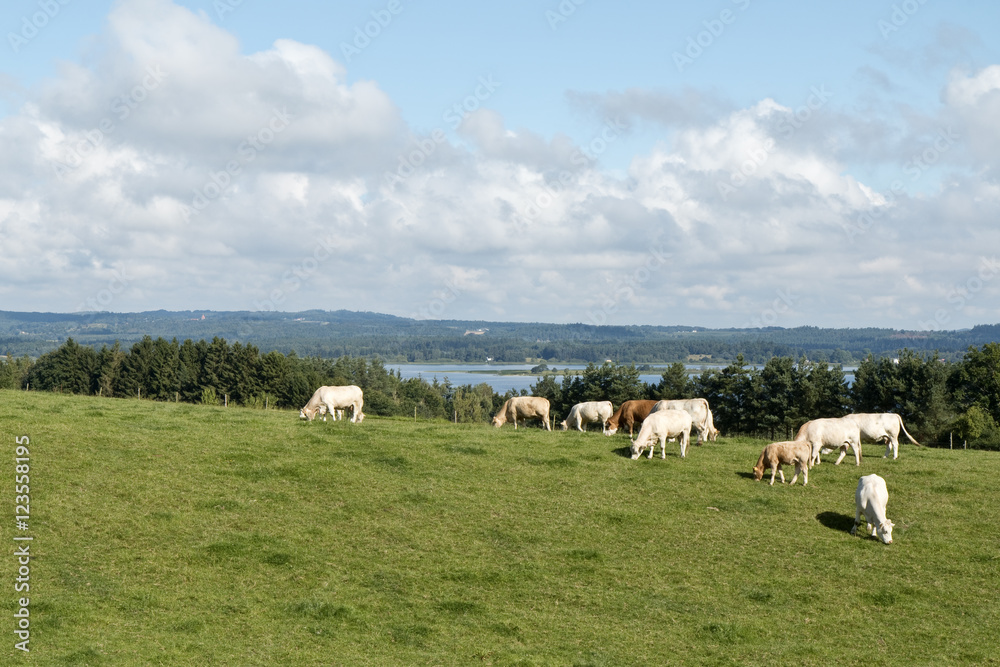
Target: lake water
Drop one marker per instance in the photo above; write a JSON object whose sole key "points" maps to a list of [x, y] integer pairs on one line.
{"points": [[460, 374]]}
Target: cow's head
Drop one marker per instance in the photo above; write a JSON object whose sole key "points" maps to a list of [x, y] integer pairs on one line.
{"points": [[638, 446], [884, 531], [758, 472], [610, 430], [360, 418], [499, 421], [307, 414], [565, 425]]}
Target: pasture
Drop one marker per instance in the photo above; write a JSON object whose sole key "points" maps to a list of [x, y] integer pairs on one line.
{"points": [[182, 534]]}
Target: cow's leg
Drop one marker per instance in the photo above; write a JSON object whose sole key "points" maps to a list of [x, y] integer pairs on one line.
{"points": [[895, 448], [663, 447], [843, 453], [774, 469], [685, 439], [805, 474], [857, 520]]}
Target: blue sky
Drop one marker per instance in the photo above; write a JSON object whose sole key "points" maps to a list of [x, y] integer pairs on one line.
{"points": [[734, 163]]}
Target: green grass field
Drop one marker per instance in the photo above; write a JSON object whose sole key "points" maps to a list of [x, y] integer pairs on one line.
{"points": [[169, 534]]}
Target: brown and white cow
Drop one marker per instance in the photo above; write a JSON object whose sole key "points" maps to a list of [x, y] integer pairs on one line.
{"points": [[629, 414], [523, 408]]}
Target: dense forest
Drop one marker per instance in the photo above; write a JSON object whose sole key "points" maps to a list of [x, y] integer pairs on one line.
{"points": [[938, 399], [396, 339]]}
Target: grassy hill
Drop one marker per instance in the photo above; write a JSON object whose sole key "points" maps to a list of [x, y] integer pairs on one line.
{"points": [[183, 534]]}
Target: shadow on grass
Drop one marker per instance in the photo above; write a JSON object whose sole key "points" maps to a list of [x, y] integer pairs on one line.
{"points": [[747, 475], [624, 452], [836, 521]]}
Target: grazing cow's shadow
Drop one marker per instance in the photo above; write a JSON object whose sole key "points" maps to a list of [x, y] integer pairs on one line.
{"points": [[745, 475], [836, 521], [625, 452]]}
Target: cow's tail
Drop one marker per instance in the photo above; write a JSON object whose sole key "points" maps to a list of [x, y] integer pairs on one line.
{"points": [[906, 433]]}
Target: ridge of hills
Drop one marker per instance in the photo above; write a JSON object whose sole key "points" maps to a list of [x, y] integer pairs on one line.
{"points": [[400, 339]]}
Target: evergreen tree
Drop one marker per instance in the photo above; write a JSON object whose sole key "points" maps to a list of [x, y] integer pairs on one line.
{"points": [[675, 383]]}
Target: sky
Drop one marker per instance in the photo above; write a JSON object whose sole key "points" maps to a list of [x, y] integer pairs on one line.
{"points": [[733, 163]]}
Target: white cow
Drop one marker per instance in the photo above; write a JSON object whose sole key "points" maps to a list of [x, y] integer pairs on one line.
{"points": [[523, 407], [830, 434], [336, 415], [590, 412], [870, 499], [701, 416], [659, 426], [328, 399], [882, 427]]}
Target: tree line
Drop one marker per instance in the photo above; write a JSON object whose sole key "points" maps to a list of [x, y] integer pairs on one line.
{"points": [[937, 399]]}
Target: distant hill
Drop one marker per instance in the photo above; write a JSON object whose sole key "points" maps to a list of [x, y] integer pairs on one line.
{"points": [[400, 339]]}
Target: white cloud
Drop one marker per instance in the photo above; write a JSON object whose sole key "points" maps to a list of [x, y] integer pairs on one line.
{"points": [[732, 211]]}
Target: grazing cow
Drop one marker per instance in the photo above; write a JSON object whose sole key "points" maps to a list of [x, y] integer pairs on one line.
{"points": [[582, 414], [870, 499], [882, 427], [328, 399], [701, 416], [661, 426], [523, 408], [336, 415], [629, 413], [829, 434], [798, 452]]}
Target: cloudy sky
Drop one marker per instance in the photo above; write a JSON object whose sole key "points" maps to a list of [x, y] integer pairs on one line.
{"points": [[721, 164]]}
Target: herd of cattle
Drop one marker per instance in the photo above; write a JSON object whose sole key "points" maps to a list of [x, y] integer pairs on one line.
{"points": [[660, 421]]}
